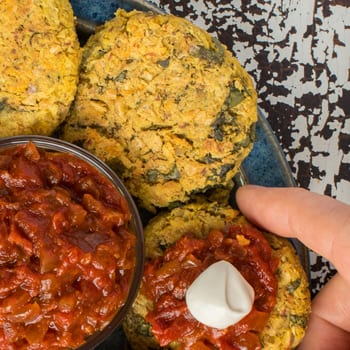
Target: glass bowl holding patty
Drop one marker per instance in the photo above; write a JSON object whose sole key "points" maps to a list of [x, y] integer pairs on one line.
{"points": [[71, 253]]}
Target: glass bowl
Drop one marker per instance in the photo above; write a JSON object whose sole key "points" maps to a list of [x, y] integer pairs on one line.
{"points": [[134, 225]]}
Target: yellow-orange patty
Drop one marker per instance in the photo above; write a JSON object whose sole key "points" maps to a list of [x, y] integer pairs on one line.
{"points": [[165, 104], [286, 325], [39, 61]]}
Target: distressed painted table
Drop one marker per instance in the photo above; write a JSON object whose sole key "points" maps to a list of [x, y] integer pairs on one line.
{"points": [[298, 53]]}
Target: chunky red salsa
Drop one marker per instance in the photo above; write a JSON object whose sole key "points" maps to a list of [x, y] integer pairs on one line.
{"points": [[167, 278], [66, 255]]}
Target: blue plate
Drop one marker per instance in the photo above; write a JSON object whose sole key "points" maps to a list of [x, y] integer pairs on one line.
{"points": [[266, 165]]}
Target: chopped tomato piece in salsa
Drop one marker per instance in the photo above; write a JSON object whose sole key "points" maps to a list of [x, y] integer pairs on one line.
{"points": [[66, 254], [167, 278]]}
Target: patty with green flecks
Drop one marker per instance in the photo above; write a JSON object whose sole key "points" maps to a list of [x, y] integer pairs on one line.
{"points": [[165, 104], [287, 322], [39, 63]]}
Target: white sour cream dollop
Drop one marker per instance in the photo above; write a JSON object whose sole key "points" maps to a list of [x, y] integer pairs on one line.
{"points": [[220, 296]]}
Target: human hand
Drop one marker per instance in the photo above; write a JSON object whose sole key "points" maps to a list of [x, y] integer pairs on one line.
{"points": [[323, 225]]}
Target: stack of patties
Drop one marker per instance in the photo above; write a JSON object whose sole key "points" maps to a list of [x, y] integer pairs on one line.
{"points": [[165, 104], [170, 109], [188, 295], [39, 65]]}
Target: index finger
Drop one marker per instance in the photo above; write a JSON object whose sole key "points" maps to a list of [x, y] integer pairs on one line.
{"points": [[320, 222]]}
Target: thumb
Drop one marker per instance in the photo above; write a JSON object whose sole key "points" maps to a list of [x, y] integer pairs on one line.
{"points": [[329, 324]]}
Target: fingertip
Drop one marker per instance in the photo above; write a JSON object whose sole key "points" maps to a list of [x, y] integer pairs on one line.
{"points": [[247, 200], [246, 193], [268, 207]]}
